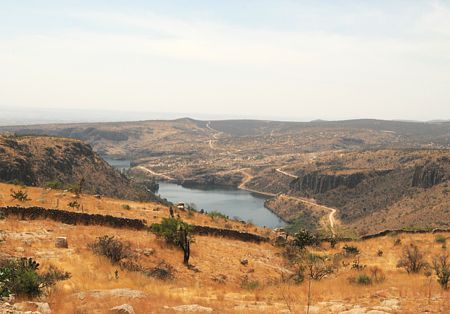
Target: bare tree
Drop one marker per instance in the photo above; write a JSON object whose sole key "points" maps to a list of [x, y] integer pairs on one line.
{"points": [[316, 267], [412, 259]]}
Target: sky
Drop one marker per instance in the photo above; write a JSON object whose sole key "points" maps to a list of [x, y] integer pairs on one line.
{"points": [[289, 60]]}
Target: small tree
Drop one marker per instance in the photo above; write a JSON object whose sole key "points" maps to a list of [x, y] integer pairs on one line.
{"points": [[20, 195], [441, 266], [316, 267], [176, 232], [305, 238], [412, 259]]}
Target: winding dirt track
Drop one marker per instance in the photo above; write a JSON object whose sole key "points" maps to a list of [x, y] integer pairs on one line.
{"points": [[286, 173], [331, 219], [155, 173]]}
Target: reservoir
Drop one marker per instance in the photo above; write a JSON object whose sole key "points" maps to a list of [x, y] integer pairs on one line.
{"points": [[235, 203], [238, 204]]}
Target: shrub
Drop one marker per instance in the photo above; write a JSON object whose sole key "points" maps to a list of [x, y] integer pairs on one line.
{"points": [[305, 238], [74, 205], [126, 206], [21, 278], [217, 215], [357, 265], [350, 250], [412, 259], [111, 248], [248, 284], [440, 239], [363, 279], [379, 253], [20, 195], [162, 271], [54, 185], [441, 266]]}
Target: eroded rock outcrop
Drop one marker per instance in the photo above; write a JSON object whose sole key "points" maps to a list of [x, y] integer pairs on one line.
{"points": [[429, 175], [317, 182]]}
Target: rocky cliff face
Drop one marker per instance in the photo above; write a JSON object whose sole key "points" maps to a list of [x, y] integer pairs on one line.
{"points": [[429, 175], [317, 182], [40, 160]]}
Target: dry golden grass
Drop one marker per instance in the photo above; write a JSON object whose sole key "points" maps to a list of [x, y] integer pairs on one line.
{"points": [[213, 256]]}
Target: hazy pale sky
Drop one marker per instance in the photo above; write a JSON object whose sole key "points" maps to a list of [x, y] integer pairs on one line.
{"points": [[281, 59]]}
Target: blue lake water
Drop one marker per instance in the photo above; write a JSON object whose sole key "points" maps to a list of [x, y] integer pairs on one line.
{"points": [[231, 202]]}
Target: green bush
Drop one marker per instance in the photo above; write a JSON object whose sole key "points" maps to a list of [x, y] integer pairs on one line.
{"points": [[363, 279], [21, 278], [217, 215], [440, 239], [126, 206], [350, 250], [54, 185]]}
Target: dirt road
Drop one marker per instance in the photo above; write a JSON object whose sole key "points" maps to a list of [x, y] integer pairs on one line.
{"points": [[155, 173], [248, 177]]}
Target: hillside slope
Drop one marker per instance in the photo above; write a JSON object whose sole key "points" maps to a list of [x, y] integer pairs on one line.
{"points": [[374, 190], [225, 275], [40, 161]]}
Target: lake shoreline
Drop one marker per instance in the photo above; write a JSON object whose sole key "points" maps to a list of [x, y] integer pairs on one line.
{"points": [[229, 200]]}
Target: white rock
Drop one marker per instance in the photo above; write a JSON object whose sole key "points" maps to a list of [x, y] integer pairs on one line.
{"points": [[40, 307], [192, 308], [312, 309], [114, 293], [123, 309], [359, 310], [61, 242], [392, 303]]}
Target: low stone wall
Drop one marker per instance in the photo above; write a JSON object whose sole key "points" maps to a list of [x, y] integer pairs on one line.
{"points": [[400, 231], [75, 218], [228, 233]]}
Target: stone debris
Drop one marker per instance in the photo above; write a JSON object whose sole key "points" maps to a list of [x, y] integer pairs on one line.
{"points": [[387, 306], [61, 242], [148, 252], [34, 307], [190, 308], [114, 293], [122, 309]]}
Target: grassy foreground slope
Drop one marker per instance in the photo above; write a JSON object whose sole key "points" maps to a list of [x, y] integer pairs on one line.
{"points": [[227, 276]]}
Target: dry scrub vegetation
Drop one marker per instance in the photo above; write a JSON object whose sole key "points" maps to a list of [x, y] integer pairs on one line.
{"points": [[228, 276]]}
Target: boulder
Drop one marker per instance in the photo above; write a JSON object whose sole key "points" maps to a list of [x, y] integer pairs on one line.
{"points": [[244, 261], [148, 252], [61, 242], [41, 307]]}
